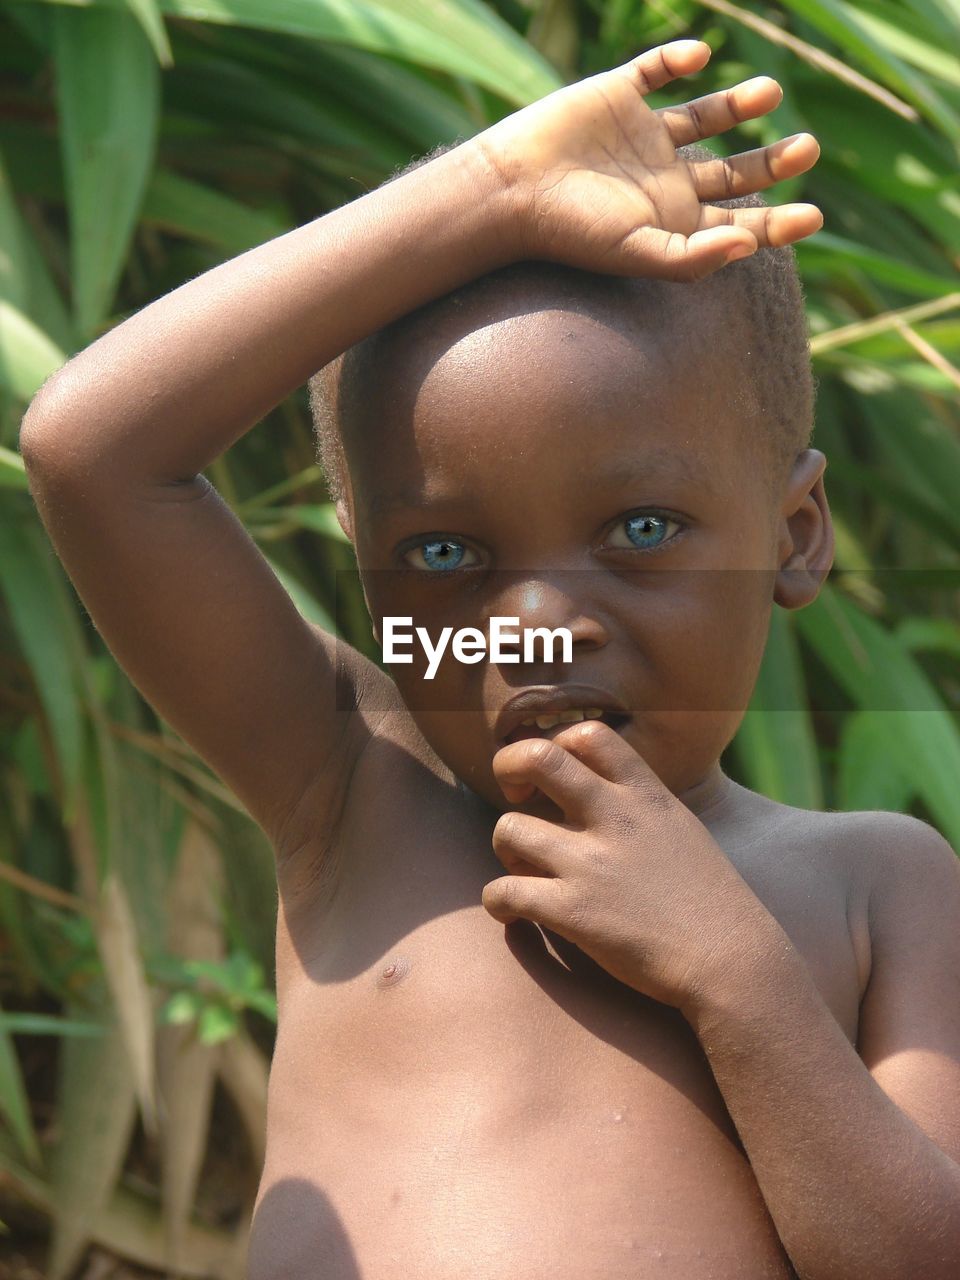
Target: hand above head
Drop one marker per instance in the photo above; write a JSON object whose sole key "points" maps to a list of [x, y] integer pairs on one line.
{"points": [[631, 876], [596, 182]]}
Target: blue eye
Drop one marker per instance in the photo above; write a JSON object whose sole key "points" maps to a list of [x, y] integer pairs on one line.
{"points": [[646, 531], [440, 554]]}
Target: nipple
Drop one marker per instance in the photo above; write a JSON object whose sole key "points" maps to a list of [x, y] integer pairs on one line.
{"points": [[392, 973]]}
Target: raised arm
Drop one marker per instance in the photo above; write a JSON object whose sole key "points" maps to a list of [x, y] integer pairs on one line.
{"points": [[114, 443]]}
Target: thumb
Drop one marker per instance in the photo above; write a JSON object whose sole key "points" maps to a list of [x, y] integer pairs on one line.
{"points": [[668, 255]]}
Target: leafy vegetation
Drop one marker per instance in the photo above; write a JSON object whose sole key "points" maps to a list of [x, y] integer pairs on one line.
{"points": [[144, 141]]}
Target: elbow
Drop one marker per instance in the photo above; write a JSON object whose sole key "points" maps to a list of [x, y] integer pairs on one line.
{"points": [[42, 440], [32, 443]]}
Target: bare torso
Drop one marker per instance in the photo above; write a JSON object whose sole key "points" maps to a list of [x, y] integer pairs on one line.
{"points": [[450, 1098]]}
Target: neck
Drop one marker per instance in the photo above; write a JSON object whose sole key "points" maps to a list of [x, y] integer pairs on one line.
{"points": [[708, 796]]}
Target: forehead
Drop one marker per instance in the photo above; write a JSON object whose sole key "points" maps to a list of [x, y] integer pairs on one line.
{"points": [[535, 375]]}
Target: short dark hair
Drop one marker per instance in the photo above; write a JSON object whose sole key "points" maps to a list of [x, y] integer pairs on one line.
{"points": [[761, 294]]}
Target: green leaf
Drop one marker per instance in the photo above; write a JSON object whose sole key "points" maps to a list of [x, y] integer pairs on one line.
{"points": [[902, 35], [870, 774], [305, 601], [881, 676], [191, 209], [929, 635], [920, 450], [14, 285], [45, 1024], [254, 100], [318, 518], [182, 1007], [32, 586], [827, 254], [13, 474], [217, 1023], [108, 95], [119, 946], [149, 17], [775, 742], [14, 1104], [264, 1002], [27, 355], [186, 1068], [462, 37], [844, 24], [96, 1110]]}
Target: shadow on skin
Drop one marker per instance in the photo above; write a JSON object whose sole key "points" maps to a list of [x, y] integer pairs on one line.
{"points": [[296, 1232], [438, 862]]}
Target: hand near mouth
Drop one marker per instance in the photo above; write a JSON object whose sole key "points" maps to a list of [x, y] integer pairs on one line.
{"points": [[629, 875]]}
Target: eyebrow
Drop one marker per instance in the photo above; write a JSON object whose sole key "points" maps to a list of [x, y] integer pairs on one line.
{"points": [[656, 464]]}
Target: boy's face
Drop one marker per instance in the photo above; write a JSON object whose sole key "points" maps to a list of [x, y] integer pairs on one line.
{"points": [[581, 472]]}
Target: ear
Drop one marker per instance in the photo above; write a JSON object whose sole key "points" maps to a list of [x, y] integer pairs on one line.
{"points": [[805, 533]]}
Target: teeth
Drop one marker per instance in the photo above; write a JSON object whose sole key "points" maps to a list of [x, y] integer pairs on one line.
{"points": [[573, 716]]}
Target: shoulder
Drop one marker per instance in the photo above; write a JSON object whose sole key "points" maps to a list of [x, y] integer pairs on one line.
{"points": [[913, 875], [873, 856], [903, 871], [901, 881], [869, 842], [881, 845]]}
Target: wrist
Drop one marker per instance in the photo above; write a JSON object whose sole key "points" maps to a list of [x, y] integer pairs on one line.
{"points": [[489, 229], [741, 980]]}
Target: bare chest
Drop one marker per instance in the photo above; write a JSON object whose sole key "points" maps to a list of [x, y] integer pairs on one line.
{"points": [[437, 1075]]}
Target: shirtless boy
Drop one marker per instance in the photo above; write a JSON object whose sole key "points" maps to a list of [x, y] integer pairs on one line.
{"points": [[560, 1003]]}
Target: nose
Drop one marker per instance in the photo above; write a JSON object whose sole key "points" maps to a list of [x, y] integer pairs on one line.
{"points": [[547, 603]]}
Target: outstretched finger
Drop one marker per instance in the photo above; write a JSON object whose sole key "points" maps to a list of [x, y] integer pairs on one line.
{"points": [[741, 175], [657, 67], [772, 226], [668, 255], [717, 112]]}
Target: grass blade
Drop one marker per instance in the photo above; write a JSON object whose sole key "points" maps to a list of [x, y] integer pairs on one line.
{"points": [[869, 773], [881, 676], [27, 355], [118, 943], [96, 1112], [151, 20], [13, 474], [30, 585], [188, 208], [108, 94], [462, 37], [187, 1068], [14, 1105], [775, 743], [25, 280]]}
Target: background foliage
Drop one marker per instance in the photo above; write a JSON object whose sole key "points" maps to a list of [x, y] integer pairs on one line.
{"points": [[144, 141]]}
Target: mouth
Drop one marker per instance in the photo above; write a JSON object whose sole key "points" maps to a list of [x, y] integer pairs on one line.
{"points": [[540, 727], [545, 721]]}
